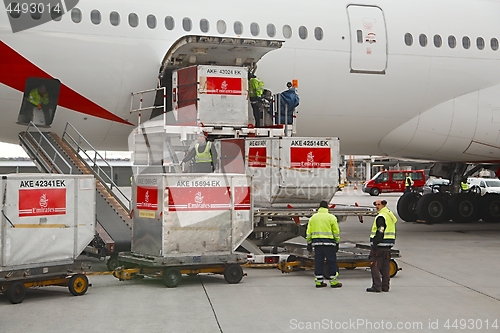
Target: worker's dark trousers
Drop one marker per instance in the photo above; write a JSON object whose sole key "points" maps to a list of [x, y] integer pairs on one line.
{"points": [[380, 260], [330, 253], [257, 114]]}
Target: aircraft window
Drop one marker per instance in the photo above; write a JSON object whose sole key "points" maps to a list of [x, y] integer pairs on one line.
{"points": [[56, 14], [480, 43], [238, 28], [114, 18], [221, 26], [408, 39], [133, 20], [466, 42], [169, 23], [204, 26], [287, 31], [422, 39], [151, 21], [318, 33], [187, 24], [303, 32], [95, 16], [15, 13], [35, 14], [452, 42], [254, 29], [76, 15], [494, 44], [271, 30], [438, 41]]}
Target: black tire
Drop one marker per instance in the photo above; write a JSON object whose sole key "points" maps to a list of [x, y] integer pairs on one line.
{"points": [[463, 207], [490, 207], [78, 284], [113, 263], [407, 206], [233, 273], [171, 277], [432, 208], [374, 192], [15, 292]]}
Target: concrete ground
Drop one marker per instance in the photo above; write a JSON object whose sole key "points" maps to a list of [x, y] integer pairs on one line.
{"points": [[449, 282]]}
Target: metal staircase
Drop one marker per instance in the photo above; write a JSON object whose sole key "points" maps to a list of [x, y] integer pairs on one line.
{"points": [[73, 154]]}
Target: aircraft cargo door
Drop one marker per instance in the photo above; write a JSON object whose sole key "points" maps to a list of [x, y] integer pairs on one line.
{"points": [[368, 39]]}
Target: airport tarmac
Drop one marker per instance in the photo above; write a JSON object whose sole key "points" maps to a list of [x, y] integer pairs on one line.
{"points": [[448, 283]]}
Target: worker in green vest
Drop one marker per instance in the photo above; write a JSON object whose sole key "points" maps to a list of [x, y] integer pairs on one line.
{"points": [[323, 234], [408, 183], [464, 186], [204, 155], [256, 89], [382, 239]]}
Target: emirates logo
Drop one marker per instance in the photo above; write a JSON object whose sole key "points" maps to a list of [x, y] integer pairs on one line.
{"points": [[224, 85], [310, 157], [146, 197], [198, 198], [44, 202], [310, 163]]}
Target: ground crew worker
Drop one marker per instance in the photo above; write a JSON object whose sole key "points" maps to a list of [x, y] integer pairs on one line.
{"points": [[382, 239], [204, 155], [408, 183], [323, 234], [464, 186], [289, 100], [37, 99], [256, 89]]}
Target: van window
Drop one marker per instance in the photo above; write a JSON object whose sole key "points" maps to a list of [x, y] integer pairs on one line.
{"points": [[416, 176], [398, 176], [381, 177]]}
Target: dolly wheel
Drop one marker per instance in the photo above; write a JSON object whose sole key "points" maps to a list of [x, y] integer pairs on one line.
{"points": [[113, 263], [171, 277], [78, 284], [15, 292], [393, 268], [233, 273]]}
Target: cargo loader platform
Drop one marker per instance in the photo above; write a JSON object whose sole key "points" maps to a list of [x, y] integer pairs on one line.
{"points": [[348, 258]]}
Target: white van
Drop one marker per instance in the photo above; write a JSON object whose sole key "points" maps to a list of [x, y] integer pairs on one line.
{"points": [[486, 185]]}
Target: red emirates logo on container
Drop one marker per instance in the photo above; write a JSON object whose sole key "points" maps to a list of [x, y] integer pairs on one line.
{"points": [[183, 199], [42, 202], [257, 157], [310, 158], [224, 85], [147, 198]]}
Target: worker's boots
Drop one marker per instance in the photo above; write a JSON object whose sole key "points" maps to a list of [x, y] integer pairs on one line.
{"points": [[319, 282], [334, 282]]}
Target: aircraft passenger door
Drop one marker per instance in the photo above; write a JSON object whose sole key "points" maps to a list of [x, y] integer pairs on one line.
{"points": [[368, 39]]}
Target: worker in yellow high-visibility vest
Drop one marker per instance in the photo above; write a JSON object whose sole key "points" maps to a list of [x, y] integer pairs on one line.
{"points": [[382, 239], [204, 155], [323, 233]]}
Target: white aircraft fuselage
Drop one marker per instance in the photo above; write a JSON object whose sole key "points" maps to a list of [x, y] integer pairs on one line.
{"points": [[360, 82]]}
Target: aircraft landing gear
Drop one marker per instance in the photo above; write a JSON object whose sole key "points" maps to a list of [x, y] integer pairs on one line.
{"points": [[432, 208], [489, 206], [464, 207], [407, 206]]}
